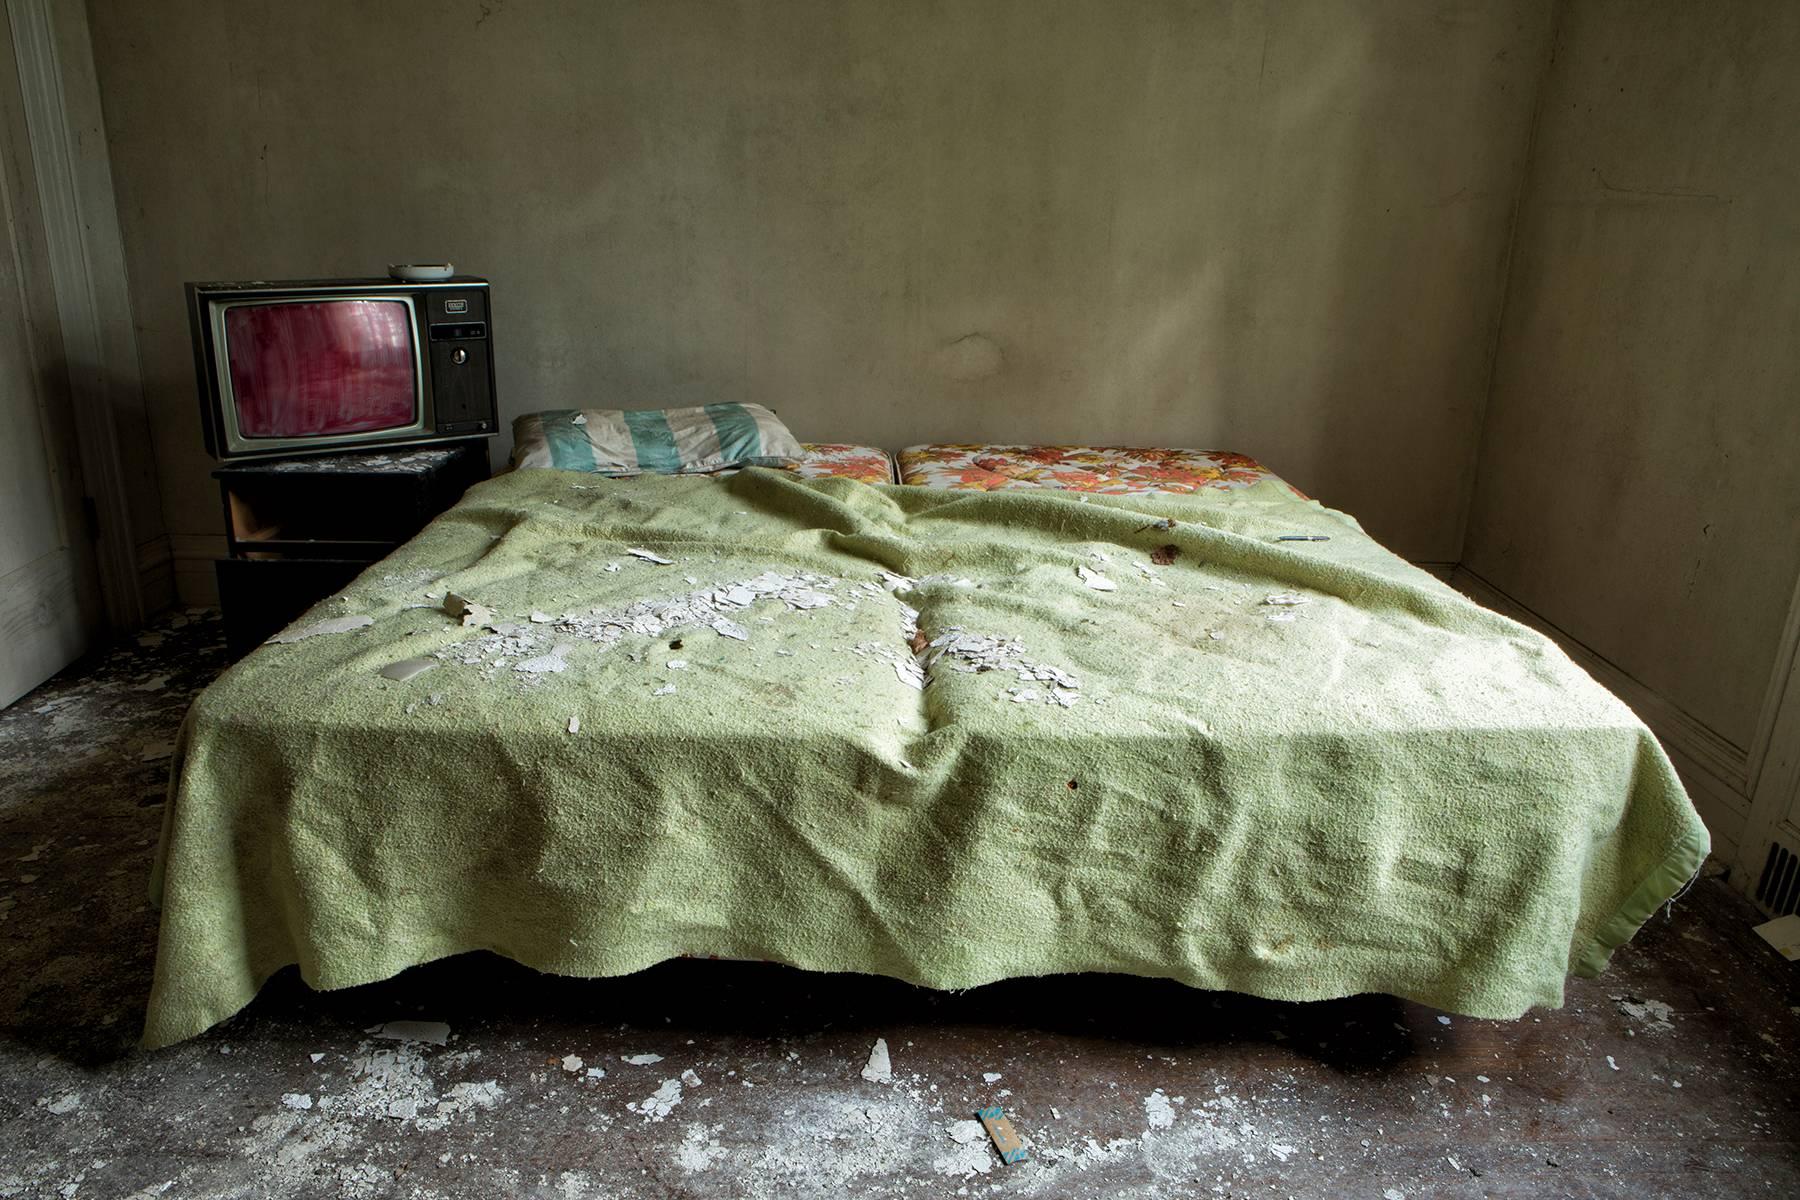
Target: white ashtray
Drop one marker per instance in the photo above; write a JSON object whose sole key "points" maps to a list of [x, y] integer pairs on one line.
{"points": [[420, 272]]}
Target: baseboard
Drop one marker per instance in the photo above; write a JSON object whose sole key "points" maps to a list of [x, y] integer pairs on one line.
{"points": [[1715, 771], [193, 555], [156, 573]]}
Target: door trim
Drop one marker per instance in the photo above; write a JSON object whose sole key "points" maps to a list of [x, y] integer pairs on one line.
{"points": [[87, 268]]}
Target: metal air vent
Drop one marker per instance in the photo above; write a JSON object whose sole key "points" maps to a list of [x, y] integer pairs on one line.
{"points": [[1778, 890]]}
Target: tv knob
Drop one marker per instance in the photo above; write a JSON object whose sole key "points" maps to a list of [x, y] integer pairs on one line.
{"points": [[459, 356]]}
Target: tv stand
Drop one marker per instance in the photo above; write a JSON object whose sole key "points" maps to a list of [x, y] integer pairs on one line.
{"points": [[299, 529]]}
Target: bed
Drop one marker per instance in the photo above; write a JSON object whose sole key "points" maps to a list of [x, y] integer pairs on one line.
{"points": [[1034, 710]]}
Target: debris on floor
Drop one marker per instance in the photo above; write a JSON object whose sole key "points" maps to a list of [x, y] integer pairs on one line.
{"points": [[1654, 1014], [1783, 933], [880, 1068], [660, 1103], [971, 1155], [1095, 580]]}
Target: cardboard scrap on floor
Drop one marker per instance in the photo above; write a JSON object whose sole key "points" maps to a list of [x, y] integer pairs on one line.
{"points": [[1783, 933], [1006, 1139]]}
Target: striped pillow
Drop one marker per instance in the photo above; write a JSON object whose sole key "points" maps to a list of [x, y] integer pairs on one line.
{"points": [[663, 441]]}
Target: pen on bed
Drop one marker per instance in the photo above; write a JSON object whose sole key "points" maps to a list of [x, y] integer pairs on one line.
{"points": [[1303, 537]]}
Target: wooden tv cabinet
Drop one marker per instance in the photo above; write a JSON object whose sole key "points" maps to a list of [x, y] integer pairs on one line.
{"points": [[298, 529]]}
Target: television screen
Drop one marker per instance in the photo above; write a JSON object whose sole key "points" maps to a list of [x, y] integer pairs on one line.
{"points": [[318, 368]]}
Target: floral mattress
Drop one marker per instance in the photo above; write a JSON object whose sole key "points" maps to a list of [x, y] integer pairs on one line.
{"points": [[866, 464], [1117, 470]]}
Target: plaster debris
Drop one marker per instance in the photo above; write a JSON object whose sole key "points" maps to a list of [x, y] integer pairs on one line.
{"points": [[1611, 1063], [641, 1060], [552, 663], [971, 1156], [677, 664], [991, 1077], [964, 1132], [660, 1103], [649, 556], [1653, 1013], [1287, 599], [699, 1148], [574, 724], [571, 1063], [1443, 1020], [978, 653], [1281, 617], [1095, 580], [1393, 1194], [435, 1032], [406, 668], [880, 1068], [667, 689], [690, 1078], [1158, 1113], [65, 1105], [467, 612], [297, 1100], [318, 1058], [1280, 1151], [329, 625]]}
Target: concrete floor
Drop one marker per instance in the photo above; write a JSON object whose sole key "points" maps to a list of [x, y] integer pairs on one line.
{"points": [[1675, 1075]]}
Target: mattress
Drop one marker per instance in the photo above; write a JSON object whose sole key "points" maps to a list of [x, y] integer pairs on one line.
{"points": [[950, 737], [826, 460], [1111, 470]]}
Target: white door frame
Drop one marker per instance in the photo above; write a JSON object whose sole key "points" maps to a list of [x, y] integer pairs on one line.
{"points": [[1775, 759], [87, 267]]}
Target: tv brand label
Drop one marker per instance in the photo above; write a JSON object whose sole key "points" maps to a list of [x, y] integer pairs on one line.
{"points": [[456, 306]]}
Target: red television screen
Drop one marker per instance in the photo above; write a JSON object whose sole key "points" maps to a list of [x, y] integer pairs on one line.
{"points": [[318, 368]]}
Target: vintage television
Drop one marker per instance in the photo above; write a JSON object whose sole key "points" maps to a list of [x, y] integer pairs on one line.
{"points": [[301, 366]]}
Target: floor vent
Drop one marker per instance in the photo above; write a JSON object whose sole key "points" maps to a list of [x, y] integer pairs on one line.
{"points": [[1778, 891]]}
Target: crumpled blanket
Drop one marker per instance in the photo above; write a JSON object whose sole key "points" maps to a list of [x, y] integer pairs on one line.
{"points": [[945, 736]]}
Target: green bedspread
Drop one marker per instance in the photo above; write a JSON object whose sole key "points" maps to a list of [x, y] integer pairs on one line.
{"points": [[1150, 739]]}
